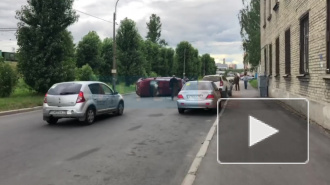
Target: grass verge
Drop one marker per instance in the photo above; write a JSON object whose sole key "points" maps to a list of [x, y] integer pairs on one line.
{"points": [[254, 83], [24, 97]]}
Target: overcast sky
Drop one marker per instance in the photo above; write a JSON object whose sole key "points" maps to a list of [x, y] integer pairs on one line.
{"points": [[210, 25]]}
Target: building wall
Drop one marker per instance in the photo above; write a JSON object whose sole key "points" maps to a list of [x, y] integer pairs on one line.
{"points": [[314, 87]]}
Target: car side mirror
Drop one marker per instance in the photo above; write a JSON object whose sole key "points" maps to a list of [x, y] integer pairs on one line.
{"points": [[115, 93]]}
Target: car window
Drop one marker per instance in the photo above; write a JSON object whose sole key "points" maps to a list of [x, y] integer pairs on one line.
{"points": [[106, 89], [197, 86], [64, 89], [212, 78], [96, 89]]}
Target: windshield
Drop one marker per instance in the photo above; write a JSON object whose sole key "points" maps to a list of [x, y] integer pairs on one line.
{"points": [[65, 89], [197, 86]]}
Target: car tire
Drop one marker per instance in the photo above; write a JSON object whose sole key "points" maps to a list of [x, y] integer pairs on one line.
{"points": [[181, 111], [224, 94], [52, 121], [120, 108], [89, 116]]}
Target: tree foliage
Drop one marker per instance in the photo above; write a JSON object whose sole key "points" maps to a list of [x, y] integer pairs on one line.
{"points": [[130, 55], [8, 79], [249, 19], [89, 51], [107, 58], [154, 28], [85, 73], [46, 48], [208, 65], [186, 59]]}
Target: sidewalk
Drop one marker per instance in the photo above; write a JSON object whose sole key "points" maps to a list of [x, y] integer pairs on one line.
{"points": [[210, 172]]}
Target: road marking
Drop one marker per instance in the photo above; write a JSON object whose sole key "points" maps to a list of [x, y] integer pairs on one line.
{"points": [[192, 172]]}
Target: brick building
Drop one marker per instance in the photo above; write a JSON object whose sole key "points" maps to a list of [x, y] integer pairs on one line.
{"points": [[295, 44]]}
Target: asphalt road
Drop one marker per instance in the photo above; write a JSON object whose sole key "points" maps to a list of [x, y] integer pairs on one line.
{"points": [[150, 144]]}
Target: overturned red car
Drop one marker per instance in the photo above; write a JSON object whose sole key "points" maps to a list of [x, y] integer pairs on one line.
{"points": [[153, 87]]}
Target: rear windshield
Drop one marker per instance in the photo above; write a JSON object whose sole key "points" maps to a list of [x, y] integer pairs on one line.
{"points": [[197, 86], [212, 78], [65, 89]]}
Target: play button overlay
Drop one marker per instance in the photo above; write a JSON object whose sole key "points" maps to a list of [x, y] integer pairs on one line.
{"points": [[263, 131], [259, 131]]}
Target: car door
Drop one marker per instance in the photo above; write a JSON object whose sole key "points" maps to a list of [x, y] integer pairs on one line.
{"points": [[110, 97], [98, 97], [217, 92]]}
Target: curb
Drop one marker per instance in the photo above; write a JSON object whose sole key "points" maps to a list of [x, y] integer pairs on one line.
{"points": [[5, 113]]}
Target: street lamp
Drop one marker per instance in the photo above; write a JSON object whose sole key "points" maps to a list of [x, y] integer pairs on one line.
{"points": [[114, 70]]}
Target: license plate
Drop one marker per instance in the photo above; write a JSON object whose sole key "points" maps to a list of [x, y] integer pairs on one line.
{"points": [[194, 96], [57, 112]]}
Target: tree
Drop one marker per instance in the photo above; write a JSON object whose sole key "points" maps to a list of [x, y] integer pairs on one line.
{"points": [[107, 60], [208, 64], [151, 52], [89, 52], [45, 46], [186, 57], [249, 18], [154, 28], [130, 55]]}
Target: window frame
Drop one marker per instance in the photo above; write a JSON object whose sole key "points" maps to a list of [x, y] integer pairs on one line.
{"points": [[328, 38], [270, 59], [105, 86], [304, 44], [277, 56], [288, 51]]}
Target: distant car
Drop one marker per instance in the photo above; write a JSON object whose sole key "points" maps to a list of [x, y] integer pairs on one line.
{"points": [[160, 86], [81, 100], [198, 95], [249, 78], [222, 83]]}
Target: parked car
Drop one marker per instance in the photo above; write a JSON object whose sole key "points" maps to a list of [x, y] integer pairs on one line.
{"points": [[198, 95], [160, 86], [81, 100], [222, 83], [249, 78]]}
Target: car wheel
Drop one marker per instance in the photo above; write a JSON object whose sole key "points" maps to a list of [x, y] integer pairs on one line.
{"points": [[120, 109], [181, 111], [52, 121], [89, 116], [225, 94]]}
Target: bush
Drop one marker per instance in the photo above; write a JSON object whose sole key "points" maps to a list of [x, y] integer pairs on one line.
{"points": [[2, 59], [8, 80], [153, 74], [85, 73]]}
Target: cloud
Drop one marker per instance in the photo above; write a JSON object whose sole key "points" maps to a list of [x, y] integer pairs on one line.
{"points": [[210, 25]]}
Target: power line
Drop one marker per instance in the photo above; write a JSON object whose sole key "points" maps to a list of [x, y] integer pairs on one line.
{"points": [[93, 16]]}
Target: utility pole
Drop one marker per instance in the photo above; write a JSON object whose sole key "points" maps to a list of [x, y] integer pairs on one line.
{"points": [[114, 68], [184, 63]]}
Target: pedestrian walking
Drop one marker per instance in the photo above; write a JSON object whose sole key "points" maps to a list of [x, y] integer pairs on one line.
{"points": [[173, 86], [246, 79], [236, 82]]}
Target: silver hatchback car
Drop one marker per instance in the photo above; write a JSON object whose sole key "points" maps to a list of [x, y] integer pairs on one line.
{"points": [[198, 95], [81, 100]]}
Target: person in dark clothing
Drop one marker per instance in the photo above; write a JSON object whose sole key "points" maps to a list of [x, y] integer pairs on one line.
{"points": [[236, 82], [173, 86]]}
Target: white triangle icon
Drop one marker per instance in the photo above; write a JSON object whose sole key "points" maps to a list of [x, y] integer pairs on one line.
{"points": [[259, 131]]}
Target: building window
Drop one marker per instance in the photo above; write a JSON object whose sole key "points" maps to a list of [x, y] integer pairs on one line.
{"points": [[264, 14], [304, 44], [265, 57], [328, 36], [277, 59], [288, 52], [269, 10], [270, 59]]}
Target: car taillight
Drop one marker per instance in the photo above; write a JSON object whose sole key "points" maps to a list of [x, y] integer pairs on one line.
{"points": [[180, 96], [45, 99], [210, 96], [81, 97], [221, 83]]}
